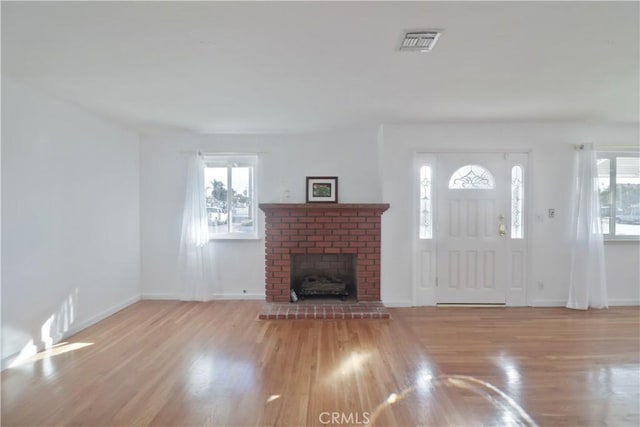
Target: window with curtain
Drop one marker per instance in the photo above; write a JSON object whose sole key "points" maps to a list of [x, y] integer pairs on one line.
{"points": [[619, 190], [231, 196]]}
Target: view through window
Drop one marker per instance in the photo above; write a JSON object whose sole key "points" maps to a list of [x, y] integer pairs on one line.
{"points": [[231, 196], [619, 187]]}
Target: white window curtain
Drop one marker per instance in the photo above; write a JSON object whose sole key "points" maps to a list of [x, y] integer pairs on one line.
{"points": [[588, 283], [193, 254]]}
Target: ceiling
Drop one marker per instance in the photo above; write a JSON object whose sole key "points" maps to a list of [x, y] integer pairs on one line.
{"points": [[264, 67]]}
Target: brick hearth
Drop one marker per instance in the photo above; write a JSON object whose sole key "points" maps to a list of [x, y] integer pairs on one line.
{"points": [[361, 310], [326, 228]]}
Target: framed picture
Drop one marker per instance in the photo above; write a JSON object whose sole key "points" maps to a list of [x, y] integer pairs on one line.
{"points": [[322, 189]]}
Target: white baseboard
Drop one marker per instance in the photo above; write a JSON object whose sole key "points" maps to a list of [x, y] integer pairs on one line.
{"points": [[74, 329], [217, 296], [613, 302], [237, 296], [154, 296], [77, 327], [548, 303], [397, 304], [623, 301]]}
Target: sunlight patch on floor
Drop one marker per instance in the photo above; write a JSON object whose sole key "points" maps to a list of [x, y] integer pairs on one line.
{"points": [[273, 397], [28, 355], [353, 363]]}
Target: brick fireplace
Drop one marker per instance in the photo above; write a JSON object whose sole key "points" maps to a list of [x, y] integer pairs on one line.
{"points": [[325, 229]]}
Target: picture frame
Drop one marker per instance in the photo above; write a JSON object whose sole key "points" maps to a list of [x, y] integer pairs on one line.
{"points": [[322, 189]]}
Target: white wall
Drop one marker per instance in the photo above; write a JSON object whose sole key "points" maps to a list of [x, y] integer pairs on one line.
{"points": [[550, 162], [284, 162], [376, 166], [623, 273], [70, 218]]}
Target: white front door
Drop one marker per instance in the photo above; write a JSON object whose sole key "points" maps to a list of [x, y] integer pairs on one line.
{"points": [[472, 216]]}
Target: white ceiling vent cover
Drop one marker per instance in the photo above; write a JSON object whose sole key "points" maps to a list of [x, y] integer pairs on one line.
{"points": [[420, 41]]}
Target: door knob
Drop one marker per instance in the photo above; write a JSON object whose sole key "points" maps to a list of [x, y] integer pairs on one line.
{"points": [[502, 229]]}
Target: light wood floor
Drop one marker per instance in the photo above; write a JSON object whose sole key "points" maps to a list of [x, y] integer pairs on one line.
{"points": [[178, 363]]}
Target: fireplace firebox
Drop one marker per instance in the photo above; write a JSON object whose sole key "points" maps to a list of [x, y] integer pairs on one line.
{"points": [[324, 275]]}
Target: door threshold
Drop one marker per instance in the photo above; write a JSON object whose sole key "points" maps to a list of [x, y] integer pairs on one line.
{"points": [[473, 305]]}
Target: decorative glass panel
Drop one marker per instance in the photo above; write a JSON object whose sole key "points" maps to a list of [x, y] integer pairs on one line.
{"points": [[517, 183], [426, 228], [472, 177]]}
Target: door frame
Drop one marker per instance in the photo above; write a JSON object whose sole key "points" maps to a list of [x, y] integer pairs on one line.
{"points": [[424, 278]]}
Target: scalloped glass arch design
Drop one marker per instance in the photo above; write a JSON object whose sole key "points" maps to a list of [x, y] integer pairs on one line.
{"points": [[472, 177]]}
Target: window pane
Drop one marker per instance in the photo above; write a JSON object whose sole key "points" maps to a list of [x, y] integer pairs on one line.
{"points": [[426, 228], [628, 196], [242, 220], [215, 183], [517, 192], [472, 177], [604, 188]]}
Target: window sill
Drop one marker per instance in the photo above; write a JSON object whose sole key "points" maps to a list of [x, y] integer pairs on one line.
{"points": [[623, 241], [238, 237]]}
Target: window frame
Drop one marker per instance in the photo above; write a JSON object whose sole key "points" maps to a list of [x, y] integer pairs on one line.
{"points": [[230, 161], [612, 156]]}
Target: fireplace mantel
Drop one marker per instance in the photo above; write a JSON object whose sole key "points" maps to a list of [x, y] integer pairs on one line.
{"points": [[375, 206], [322, 228]]}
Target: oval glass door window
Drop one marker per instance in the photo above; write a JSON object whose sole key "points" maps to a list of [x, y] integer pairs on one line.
{"points": [[472, 177]]}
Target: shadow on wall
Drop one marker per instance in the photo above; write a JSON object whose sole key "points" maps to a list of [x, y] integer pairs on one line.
{"points": [[52, 331]]}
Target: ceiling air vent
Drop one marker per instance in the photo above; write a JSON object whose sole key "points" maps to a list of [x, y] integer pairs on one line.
{"points": [[420, 41]]}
